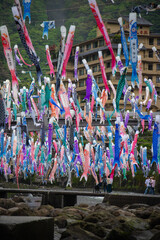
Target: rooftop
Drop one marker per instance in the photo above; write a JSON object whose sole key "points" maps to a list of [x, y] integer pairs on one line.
{"points": [[140, 21]]}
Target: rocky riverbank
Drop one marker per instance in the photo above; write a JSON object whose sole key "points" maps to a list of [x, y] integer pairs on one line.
{"points": [[101, 221]]}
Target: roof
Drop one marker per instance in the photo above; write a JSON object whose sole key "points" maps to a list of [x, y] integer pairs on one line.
{"points": [[153, 34], [140, 21], [95, 50]]}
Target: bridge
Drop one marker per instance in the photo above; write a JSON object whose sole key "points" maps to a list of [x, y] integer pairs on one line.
{"points": [[32, 128], [62, 198]]}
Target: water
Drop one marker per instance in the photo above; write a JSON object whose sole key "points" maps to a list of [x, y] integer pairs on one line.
{"points": [[89, 200]]}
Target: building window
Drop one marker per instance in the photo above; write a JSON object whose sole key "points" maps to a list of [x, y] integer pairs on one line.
{"points": [[158, 79], [150, 66], [151, 41], [100, 80], [108, 77], [81, 83], [95, 57], [141, 27], [88, 46], [82, 96], [158, 41], [81, 72], [95, 44], [108, 64], [88, 58], [82, 49], [122, 97], [158, 66], [150, 54], [94, 68], [101, 42], [128, 77], [98, 68]]}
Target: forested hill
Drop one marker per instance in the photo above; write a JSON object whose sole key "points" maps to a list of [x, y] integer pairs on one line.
{"points": [[64, 12]]}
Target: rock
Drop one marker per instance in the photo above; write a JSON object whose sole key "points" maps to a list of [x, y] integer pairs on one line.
{"points": [[156, 236], [138, 205], [142, 235], [75, 232], [18, 199], [154, 220], [43, 212], [91, 218], [157, 227], [71, 212], [61, 222], [15, 211], [83, 205], [48, 207], [135, 223], [117, 234], [55, 212], [143, 213], [3, 211], [94, 228], [22, 205], [7, 203]]}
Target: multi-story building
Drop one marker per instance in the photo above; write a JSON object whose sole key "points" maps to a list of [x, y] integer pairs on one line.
{"points": [[89, 51]]}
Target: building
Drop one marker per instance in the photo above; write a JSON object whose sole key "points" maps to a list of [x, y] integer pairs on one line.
{"points": [[89, 51]]}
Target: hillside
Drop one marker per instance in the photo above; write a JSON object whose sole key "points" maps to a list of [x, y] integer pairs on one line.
{"points": [[65, 12]]}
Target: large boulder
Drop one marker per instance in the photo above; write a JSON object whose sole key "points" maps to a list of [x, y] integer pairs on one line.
{"points": [[94, 228], [7, 203], [154, 220], [44, 210], [15, 211], [118, 234], [74, 213], [76, 232], [3, 211], [61, 222], [18, 199], [156, 236]]}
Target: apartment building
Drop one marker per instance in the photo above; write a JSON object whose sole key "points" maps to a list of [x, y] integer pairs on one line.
{"points": [[89, 51]]}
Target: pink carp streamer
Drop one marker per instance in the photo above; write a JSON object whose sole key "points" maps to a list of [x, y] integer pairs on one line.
{"points": [[103, 71], [102, 28], [8, 54], [86, 164], [68, 48], [52, 73], [63, 96], [17, 50]]}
